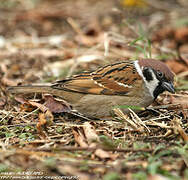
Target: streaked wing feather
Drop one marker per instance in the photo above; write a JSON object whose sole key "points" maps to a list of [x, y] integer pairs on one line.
{"points": [[109, 80]]}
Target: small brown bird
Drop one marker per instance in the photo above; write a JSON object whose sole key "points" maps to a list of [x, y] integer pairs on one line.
{"points": [[94, 94]]}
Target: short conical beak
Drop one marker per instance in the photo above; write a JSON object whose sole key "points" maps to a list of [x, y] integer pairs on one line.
{"points": [[168, 87]]}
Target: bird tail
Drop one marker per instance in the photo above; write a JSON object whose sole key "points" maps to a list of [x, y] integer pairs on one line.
{"points": [[29, 89], [66, 95]]}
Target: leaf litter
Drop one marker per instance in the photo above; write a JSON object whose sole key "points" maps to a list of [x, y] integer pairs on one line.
{"points": [[48, 41]]}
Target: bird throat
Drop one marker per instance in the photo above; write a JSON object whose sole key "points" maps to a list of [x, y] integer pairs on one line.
{"points": [[158, 90], [150, 79]]}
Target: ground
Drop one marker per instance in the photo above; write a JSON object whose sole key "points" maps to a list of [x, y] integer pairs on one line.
{"points": [[42, 41]]}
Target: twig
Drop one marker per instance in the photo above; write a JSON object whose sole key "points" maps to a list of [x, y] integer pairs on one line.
{"points": [[121, 115], [162, 106], [139, 121], [70, 148], [157, 118], [19, 125]]}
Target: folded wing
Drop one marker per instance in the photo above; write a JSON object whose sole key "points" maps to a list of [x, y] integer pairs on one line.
{"points": [[116, 79]]}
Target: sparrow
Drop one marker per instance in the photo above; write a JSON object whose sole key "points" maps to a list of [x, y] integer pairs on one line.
{"points": [[95, 94]]}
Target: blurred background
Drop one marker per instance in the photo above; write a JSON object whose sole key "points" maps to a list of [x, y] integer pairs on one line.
{"points": [[45, 40], [53, 35]]}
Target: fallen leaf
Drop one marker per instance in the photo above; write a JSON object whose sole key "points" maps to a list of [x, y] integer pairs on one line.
{"points": [[9, 82], [79, 137], [181, 34], [20, 99], [56, 105], [157, 177], [181, 100], [176, 66], [92, 139], [2, 103], [183, 51], [178, 127], [26, 107], [90, 133], [102, 154], [42, 107], [164, 33], [45, 119]]}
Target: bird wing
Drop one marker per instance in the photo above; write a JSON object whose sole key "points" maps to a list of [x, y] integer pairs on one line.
{"points": [[116, 79]]}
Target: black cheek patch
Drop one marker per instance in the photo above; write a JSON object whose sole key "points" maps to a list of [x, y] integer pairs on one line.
{"points": [[158, 90], [147, 74]]}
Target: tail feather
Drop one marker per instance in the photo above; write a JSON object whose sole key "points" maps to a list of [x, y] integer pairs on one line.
{"points": [[66, 95], [29, 89]]}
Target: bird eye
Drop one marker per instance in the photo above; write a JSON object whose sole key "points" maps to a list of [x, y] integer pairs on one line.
{"points": [[160, 74]]}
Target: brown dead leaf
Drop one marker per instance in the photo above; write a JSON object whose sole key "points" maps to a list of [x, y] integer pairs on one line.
{"points": [[183, 51], [177, 66], [178, 127], [102, 154], [20, 99], [181, 35], [26, 107], [180, 100], [9, 82], [45, 119], [51, 104], [56, 106], [90, 133], [40, 14], [8, 72], [92, 139], [79, 138], [2, 103], [90, 41], [164, 33], [42, 107], [92, 36], [30, 105], [157, 177]]}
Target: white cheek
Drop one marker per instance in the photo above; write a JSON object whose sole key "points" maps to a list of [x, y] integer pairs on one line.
{"points": [[151, 85]]}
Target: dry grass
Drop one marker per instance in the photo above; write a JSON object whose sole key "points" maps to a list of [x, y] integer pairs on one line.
{"points": [[44, 41]]}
